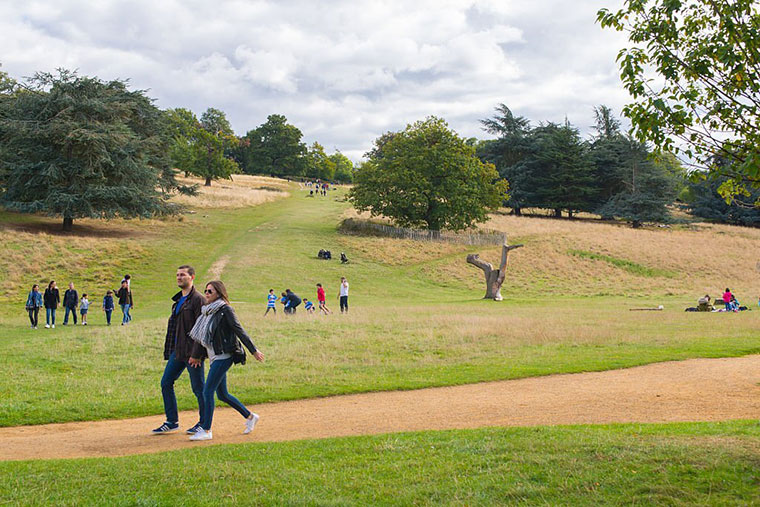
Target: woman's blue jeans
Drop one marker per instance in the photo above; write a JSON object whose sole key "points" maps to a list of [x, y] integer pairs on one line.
{"points": [[125, 311], [217, 381], [50, 316]]}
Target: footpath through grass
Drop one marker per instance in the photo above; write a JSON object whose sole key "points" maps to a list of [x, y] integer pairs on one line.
{"points": [[674, 464], [407, 329]]}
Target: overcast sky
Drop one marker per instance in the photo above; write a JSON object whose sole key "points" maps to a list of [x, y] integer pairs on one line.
{"points": [[344, 72]]}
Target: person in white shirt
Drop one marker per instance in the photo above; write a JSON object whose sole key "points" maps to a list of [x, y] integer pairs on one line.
{"points": [[343, 294]]}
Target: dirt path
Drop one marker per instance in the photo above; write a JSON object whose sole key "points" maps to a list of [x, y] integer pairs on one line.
{"points": [[693, 390]]}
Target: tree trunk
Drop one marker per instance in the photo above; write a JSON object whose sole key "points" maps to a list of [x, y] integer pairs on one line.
{"points": [[517, 211], [208, 181], [570, 214], [636, 224], [68, 223], [494, 277], [558, 213]]}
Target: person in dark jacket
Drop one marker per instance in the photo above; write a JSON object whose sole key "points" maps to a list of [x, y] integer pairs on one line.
{"points": [[52, 299], [70, 303], [125, 301], [108, 306], [291, 301], [219, 331], [33, 304], [180, 349]]}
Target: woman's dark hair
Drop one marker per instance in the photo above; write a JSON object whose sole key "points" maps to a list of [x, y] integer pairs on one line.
{"points": [[728, 290], [50, 285], [35, 285], [220, 289]]}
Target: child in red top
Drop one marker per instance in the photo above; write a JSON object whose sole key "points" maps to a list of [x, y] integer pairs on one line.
{"points": [[322, 300], [727, 299]]}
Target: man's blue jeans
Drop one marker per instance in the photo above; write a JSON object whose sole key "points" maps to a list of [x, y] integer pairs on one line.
{"points": [[66, 315], [217, 381], [125, 310], [172, 372]]}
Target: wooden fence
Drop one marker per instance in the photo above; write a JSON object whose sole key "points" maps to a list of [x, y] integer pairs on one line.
{"points": [[476, 237]]}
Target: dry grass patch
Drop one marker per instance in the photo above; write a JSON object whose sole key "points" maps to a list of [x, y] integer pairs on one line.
{"points": [[243, 191]]}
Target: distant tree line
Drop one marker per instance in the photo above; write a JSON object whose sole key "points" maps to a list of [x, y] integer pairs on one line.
{"points": [[75, 146]]}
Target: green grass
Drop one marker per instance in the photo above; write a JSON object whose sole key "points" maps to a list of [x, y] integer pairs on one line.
{"points": [[675, 464], [407, 330], [624, 264]]}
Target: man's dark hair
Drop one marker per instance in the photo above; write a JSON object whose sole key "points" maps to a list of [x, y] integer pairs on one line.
{"points": [[190, 270]]}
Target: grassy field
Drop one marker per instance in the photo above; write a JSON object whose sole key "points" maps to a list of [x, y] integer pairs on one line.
{"points": [[676, 464], [416, 317]]}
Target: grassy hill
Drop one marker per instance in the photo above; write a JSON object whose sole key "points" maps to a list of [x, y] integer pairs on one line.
{"points": [[416, 315]]}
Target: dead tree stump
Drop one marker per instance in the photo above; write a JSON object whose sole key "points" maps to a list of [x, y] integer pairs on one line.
{"points": [[494, 277]]}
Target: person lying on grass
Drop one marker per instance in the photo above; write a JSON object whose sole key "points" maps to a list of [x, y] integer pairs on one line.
{"points": [[219, 331]]}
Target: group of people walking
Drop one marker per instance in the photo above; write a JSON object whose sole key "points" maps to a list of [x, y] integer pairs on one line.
{"points": [[203, 326], [291, 301], [51, 299]]}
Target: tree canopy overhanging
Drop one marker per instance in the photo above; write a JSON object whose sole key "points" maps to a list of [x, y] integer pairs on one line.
{"points": [[693, 71]]}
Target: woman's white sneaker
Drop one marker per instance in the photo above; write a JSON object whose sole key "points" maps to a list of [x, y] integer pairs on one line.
{"points": [[250, 423], [201, 434]]}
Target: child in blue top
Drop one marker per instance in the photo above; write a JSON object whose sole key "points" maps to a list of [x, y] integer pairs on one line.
{"points": [[308, 306], [108, 305], [271, 300]]}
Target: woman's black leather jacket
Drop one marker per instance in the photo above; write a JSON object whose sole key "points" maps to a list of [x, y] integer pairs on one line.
{"points": [[227, 333]]}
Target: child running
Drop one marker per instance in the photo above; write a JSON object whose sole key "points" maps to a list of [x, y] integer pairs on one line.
{"points": [[271, 300], [84, 305], [308, 306], [322, 300]]}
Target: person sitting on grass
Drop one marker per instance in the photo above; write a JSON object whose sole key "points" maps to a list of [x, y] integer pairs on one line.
{"points": [[704, 305], [84, 305], [308, 306], [734, 304]]}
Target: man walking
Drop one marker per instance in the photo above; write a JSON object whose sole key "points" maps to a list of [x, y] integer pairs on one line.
{"points": [[343, 295], [180, 348], [70, 303]]}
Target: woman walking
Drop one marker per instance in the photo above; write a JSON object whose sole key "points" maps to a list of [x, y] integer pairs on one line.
{"points": [[52, 299], [33, 304], [219, 331], [125, 301]]}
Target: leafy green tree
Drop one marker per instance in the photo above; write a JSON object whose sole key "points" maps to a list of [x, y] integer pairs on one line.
{"points": [[344, 168], [274, 147], [203, 147], [507, 151], [693, 72], [318, 163], [78, 147], [648, 190], [427, 176], [706, 202], [556, 172]]}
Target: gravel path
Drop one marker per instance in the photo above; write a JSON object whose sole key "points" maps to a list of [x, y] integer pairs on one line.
{"points": [[692, 390]]}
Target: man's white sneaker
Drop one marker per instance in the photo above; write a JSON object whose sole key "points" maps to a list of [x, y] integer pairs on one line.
{"points": [[47, 326], [250, 423], [53, 326], [201, 434]]}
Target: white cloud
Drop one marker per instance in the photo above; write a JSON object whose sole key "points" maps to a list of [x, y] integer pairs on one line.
{"points": [[343, 71]]}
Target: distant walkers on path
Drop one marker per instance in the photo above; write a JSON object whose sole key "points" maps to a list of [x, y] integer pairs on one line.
{"points": [[52, 299], [33, 304]]}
